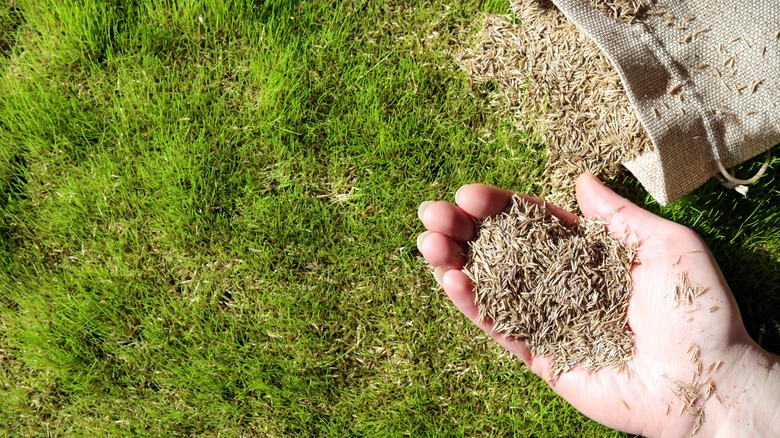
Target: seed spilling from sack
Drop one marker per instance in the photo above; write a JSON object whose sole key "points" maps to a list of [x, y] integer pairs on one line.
{"points": [[553, 79], [563, 288], [626, 11]]}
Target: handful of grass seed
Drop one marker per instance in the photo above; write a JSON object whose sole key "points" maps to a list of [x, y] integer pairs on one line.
{"points": [[563, 288]]}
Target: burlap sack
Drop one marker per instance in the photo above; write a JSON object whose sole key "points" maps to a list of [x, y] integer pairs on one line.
{"points": [[703, 76]]}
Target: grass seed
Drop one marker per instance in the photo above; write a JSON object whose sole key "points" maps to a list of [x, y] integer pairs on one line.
{"points": [[549, 76], [563, 288], [625, 11]]}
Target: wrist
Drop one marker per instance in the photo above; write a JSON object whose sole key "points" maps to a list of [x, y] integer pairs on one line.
{"points": [[747, 397]]}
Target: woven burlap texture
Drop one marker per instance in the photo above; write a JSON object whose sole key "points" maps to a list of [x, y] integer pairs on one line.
{"points": [[703, 77]]}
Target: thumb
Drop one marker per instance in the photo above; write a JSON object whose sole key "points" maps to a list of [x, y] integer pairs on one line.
{"points": [[622, 216]]}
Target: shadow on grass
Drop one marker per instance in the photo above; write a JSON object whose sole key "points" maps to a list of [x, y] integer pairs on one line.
{"points": [[11, 188], [11, 20]]}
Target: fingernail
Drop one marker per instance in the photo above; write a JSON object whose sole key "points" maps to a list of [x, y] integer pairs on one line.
{"points": [[438, 274], [422, 207], [457, 193], [421, 238]]}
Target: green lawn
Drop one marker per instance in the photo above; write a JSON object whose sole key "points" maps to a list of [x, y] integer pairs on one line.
{"points": [[208, 217]]}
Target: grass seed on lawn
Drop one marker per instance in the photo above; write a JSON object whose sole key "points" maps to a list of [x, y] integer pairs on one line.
{"points": [[551, 77]]}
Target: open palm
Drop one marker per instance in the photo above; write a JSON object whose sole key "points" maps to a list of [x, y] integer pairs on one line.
{"points": [[698, 343]]}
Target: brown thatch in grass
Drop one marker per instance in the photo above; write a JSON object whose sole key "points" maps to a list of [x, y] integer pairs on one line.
{"points": [[563, 288], [551, 76]]}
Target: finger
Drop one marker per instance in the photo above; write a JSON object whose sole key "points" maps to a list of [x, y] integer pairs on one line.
{"points": [[482, 201], [460, 291], [625, 219], [445, 218], [441, 250]]}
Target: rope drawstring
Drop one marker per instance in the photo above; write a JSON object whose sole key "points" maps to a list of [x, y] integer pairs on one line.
{"points": [[740, 185]]}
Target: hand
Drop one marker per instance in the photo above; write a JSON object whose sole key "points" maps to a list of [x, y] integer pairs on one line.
{"points": [[642, 400]]}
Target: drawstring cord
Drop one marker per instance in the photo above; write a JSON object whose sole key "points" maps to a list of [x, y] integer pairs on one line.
{"points": [[740, 185]]}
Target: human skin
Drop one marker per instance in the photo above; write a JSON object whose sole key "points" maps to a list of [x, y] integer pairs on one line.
{"points": [[745, 378]]}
